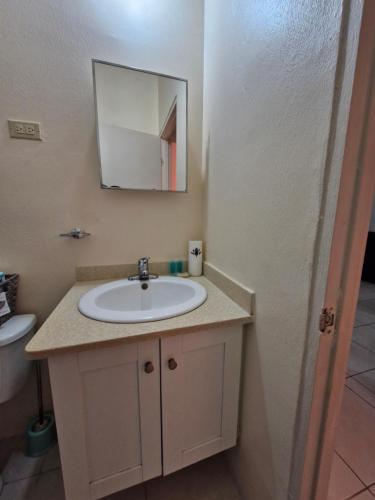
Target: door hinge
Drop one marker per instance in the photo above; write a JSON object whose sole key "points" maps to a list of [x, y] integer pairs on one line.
{"points": [[327, 320]]}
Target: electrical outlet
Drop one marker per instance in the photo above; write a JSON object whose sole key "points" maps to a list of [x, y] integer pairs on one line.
{"points": [[24, 130], [19, 128], [30, 130]]}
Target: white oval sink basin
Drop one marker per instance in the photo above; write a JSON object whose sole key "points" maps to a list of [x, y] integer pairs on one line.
{"points": [[126, 301]]}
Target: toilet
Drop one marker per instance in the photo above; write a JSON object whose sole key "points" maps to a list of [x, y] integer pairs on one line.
{"points": [[14, 367]]}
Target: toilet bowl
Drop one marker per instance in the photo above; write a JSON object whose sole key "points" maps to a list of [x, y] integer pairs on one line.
{"points": [[14, 367]]}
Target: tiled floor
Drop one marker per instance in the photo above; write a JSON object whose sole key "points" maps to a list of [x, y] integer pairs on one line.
{"points": [[353, 471], [28, 478]]}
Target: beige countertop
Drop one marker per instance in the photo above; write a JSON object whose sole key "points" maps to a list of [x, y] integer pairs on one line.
{"points": [[67, 330]]}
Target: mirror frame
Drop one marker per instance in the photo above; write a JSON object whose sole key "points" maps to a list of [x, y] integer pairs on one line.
{"points": [[103, 186]]}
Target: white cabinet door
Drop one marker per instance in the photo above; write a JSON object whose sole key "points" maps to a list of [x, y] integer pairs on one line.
{"points": [[200, 374], [107, 406]]}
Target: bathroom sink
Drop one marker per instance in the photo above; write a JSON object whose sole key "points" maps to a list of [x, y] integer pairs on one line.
{"points": [[137, 301]]}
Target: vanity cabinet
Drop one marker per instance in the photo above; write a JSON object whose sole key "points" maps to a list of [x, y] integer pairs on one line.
{"points": [[107, 410], [200, 375], [131, 412]]}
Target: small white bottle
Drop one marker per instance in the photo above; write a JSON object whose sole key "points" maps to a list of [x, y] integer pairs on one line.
{"points": [[195, 258]]}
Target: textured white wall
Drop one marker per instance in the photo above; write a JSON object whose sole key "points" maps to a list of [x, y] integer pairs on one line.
{"points": [[269, 73], [51, 186]]}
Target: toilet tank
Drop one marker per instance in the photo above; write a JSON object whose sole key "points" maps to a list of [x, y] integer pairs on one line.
{"points": [[14, 367]]}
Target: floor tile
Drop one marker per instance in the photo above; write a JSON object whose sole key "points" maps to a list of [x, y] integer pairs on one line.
{"points": [[372, 489], [367, 305], [45, 486], [207, 480], [360, 359], [365, 495], [51, 460], [135, 493], [365, 336], [355, 439], [367, 290], [49, 485], [20, 490], [361, 390], [8, 445], [20, 466], [365, 312], [367, 379], [343, 483]]}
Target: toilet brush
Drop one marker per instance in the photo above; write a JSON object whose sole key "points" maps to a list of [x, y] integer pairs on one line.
{"points": [[42, 422], [41, 431]]}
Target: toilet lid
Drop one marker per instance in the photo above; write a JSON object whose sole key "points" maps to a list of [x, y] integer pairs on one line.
{"points": [[16, 327]]}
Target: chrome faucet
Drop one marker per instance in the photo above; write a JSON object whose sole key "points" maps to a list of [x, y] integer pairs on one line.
{"points": [[143, 271]]}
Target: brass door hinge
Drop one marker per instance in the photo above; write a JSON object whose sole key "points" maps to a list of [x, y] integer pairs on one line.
{"points": [[327, 320]]}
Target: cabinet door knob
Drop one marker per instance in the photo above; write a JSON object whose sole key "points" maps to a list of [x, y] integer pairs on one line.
{"points": [[149, 367], [172, 364]]}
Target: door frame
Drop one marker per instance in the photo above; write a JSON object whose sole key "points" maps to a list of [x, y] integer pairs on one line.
{"points": [[351, 223]]}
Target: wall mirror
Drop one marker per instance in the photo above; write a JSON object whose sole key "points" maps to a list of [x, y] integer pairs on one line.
{"points": [[141, 128]]}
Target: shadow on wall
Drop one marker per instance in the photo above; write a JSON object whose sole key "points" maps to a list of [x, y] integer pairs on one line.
{"points": [[205, 183], [257, 482]]}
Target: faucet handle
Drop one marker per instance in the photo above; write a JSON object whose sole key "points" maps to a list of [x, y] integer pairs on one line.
{"points": [[144, 260]]}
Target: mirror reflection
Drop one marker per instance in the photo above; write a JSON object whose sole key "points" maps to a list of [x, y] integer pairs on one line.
{"points": [[141, 127]]}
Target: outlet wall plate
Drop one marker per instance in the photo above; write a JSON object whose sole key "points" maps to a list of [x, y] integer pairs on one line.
{"points": [[24, 130]]}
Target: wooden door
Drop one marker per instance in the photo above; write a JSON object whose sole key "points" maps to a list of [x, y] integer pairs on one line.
{"points": [[200, 374], [345, 265], [107, 410]]}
